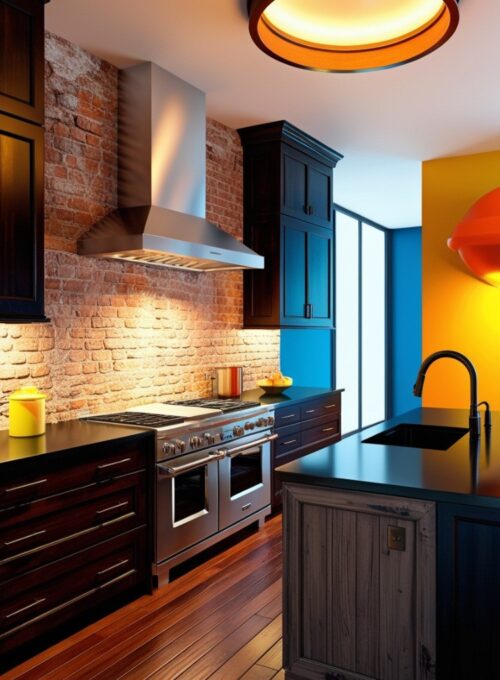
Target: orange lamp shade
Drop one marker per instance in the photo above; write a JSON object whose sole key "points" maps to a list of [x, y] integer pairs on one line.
{"points": [[477, 238]]}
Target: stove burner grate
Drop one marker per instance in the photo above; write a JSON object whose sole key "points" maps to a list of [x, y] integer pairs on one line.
{"points": [[137, 418], [224, 405]]}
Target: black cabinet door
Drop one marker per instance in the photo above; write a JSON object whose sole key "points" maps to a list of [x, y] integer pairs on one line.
{"points": [[306, 275], [21, 220], [295, 183], [468, 592], [320, 277], [319, 193], [21, 59]]}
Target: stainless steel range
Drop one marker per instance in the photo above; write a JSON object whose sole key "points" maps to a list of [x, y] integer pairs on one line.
{"points": [[213, 469]]}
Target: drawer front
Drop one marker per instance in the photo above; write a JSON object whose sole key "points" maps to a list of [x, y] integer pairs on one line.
{"points": [[67, 472], [289, 439], [286, 416], [70, 522], [68, 582], [320, 407], [321, 433]]}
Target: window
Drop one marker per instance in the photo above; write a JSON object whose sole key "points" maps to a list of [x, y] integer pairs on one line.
{"points": [[361, 319]]}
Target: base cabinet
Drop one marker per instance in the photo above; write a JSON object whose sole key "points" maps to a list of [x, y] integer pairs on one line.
{"points": [[359, 586]]}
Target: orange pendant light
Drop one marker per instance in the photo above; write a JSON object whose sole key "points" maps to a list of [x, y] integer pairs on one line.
{"points": [[350, 35], [477, 238]]}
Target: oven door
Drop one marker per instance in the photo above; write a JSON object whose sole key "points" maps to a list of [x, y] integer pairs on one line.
{"points": [[186, 502], [245, 478]]}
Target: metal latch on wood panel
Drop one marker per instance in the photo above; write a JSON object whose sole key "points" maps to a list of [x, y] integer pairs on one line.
{"points": [[396, 538]]}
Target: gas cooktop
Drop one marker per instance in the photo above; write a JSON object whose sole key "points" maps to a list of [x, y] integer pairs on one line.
{"points": [[224, 405], [152, 420]]}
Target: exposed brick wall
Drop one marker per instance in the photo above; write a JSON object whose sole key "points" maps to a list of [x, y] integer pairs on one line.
{"points": [[122, 334]]}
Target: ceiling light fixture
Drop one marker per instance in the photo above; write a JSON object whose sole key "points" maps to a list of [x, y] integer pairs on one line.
{"points": [[350, 35], [477, 238]]}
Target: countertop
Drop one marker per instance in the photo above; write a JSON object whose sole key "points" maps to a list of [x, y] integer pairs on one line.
{"points": [[468, 472], [67, 436], [291, 396]]}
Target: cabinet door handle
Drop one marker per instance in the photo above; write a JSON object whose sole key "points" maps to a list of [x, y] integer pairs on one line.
{"points": [[105, 466], [25, 609], [290, 441], [112, 507], [311, 410], [114, 566], [292, 415], [308, 311], [26, 486], [328, 429], [25, 538]]}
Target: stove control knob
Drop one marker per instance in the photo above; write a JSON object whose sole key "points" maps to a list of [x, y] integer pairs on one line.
{"points": [[217, 438], [270, 421], [249, 425], [262, 422], [180, 445], [169, 449], [195, 441], [238, 431], [209, 438]]}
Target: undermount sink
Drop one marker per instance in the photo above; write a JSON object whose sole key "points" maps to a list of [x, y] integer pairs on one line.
{"points": [[419, 436]]}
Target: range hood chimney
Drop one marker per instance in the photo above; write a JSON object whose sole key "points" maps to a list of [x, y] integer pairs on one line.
{"points": [[161, 181]]}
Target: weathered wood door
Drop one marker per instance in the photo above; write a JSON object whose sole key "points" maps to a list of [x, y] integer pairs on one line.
{"points": [[359, 586]]}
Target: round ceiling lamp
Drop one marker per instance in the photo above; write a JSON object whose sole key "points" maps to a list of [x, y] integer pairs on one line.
{"points": [[477, 238], [350, 35]]}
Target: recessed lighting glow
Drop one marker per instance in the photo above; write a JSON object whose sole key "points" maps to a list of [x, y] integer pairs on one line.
{"points": [[351, 35], [350, 22]]}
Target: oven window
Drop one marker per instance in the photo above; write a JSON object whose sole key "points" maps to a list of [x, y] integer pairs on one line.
{"points": [[189, 496], [246, 471]]}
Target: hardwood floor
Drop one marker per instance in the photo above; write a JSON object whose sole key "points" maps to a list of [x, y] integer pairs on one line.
{"points": [[221, 620]]}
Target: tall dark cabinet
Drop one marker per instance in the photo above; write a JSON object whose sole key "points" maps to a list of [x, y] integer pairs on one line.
{"points": [[21, 160], [288, 218]]}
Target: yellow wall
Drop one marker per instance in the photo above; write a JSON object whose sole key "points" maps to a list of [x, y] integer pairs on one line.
{"points": [[459, 311]]}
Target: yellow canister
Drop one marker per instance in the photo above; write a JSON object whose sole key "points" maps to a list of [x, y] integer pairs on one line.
{"points": [[27, 412]]}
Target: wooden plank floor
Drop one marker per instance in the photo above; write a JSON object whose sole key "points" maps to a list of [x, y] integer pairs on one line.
{"points": [[221, 620]]}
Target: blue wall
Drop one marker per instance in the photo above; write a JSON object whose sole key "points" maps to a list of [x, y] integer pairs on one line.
{"points": [[306, 356], [406, 317]]}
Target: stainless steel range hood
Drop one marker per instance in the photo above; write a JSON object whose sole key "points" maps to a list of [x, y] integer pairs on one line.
{"points": [[161, 181]]}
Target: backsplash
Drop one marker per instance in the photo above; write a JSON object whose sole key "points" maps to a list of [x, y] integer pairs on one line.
{"points": [[122, 334]]}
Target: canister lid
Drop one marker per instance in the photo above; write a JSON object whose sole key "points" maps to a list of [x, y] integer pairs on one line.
{"points": [[26, 394]]}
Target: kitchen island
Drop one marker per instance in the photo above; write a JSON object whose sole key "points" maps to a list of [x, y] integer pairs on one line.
{"points": [[392, 557]]}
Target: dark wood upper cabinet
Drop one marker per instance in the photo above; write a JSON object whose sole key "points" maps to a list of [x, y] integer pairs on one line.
{"points": [[21, 59], [288, 218], [21, 160]]}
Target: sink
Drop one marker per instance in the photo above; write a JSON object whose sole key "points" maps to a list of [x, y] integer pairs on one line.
{"points": [[419, 436]]}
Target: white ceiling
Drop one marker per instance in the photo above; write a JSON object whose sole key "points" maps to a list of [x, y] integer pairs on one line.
{"points": [[385, 123]]}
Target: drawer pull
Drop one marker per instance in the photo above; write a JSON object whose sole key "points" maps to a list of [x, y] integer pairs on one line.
{"points": [[292, 415], [311, 410], [290, 441], [111, 508], [25, 486], [25, 609], [246, 507], [25, 538], [328, 429], [114, 566], [330, 406], [105, 466]]}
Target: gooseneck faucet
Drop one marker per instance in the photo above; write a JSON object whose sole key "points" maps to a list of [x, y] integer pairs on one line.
{"points": [[474, 417]]}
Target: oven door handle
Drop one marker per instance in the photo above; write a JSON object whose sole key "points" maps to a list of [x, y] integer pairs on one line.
{"points": [[248, 448], [169, 471]]}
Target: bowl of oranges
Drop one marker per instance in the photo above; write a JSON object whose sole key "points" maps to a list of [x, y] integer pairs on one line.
{"points": [[275, 384]]}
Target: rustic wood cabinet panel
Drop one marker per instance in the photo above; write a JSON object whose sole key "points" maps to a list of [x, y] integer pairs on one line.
{"points": [[288, 218], [356, 604], [301, 429], [21, 59]]}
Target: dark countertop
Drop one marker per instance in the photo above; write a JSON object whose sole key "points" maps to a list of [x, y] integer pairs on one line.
{"points": [[291, 396], [464, 473], [66, 436]]}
